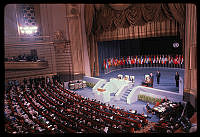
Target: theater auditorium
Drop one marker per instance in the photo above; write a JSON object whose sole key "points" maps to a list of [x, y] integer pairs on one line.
{"points": [[100, 68]]}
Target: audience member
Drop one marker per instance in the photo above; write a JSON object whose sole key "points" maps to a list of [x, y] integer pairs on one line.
{"points": [[78, 109]]}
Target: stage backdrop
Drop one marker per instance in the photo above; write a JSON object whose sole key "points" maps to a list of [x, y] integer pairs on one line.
{"points": [[103, 23], [133, 47]]}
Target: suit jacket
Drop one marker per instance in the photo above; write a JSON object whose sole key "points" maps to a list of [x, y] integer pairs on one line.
{"points": [[158, 75], [177, 77]]}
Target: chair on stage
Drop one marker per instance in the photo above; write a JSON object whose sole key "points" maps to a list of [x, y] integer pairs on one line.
{"points": [[132, 78], [126, 77], [120, 76]]}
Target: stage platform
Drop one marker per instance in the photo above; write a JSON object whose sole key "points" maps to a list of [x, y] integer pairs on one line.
{"points": [[167, 82]]}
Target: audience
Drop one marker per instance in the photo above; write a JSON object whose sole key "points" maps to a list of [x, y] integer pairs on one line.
{"points": [[149, 109], [44, 106]]}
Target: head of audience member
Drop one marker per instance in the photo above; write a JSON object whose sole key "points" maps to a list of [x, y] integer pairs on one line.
{"points": [[135, 111], [89, 123]]}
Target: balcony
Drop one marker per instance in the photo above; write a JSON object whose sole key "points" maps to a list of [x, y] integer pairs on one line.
{"points": [[13, 66]]}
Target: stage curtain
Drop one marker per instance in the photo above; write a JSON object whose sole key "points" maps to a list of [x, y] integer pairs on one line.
{"points": [[150, 12], [91, 42], [108, 18], [112, 22], [150, 29], [119, 6], [93, 55], [178, 11], [134, 15], [89, 15]]}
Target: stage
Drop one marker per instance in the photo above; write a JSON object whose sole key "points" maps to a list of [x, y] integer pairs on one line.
{"points": [[167, 82]]}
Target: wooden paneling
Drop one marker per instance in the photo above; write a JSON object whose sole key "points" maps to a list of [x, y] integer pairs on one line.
{"points": [[63, 57], [57, 53]]}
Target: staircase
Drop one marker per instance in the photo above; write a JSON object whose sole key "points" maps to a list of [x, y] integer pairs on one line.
{"points": [[125, 95], [106, 85], [102, 85]]}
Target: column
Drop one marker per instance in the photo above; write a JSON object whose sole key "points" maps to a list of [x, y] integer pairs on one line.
{"points": [[190, 80]]}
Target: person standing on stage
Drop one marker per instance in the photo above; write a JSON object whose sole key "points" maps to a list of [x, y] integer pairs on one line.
{"points": [[158, 77], [177, 79], [151, 79]]}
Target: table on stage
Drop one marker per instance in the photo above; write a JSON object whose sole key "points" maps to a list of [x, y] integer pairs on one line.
{"points": [[162, 107], [119, 82]]}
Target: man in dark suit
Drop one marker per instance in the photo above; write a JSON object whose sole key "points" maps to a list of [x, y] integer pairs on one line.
{"points": [[158, 77], [177, 79]]}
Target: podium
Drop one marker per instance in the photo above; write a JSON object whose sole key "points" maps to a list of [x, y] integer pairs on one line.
{"points": [[102, 95]]}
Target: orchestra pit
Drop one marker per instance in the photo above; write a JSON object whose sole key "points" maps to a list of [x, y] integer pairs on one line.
{"points": [[100, 68]]}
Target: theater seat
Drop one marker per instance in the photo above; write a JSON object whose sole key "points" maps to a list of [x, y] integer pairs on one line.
{"points": [[120, 76], [126, 77]]}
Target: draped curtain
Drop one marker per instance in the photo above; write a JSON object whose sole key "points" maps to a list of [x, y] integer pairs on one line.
{"points": [[107, 49], [115, 21], [150, 29]]}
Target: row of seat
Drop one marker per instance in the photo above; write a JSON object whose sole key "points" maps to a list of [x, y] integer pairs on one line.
{"points": [[55, 100], [97, 104], [98, 114]]}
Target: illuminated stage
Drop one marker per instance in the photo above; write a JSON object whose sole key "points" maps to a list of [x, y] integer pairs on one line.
{"points": [[109, 85], [115, 85]]}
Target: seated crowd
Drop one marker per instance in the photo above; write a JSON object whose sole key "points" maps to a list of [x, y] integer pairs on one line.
{"points": [[173, 118], [44, 106]]}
